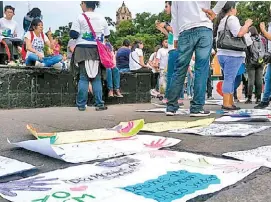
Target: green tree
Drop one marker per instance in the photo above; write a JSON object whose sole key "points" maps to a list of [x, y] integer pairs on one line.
{"points": [[258, 11]]}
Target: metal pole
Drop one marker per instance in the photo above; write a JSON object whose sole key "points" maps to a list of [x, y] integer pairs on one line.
{"points": [[1, 9]]}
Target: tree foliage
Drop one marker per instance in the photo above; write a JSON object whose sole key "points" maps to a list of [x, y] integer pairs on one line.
{"points": [[258, 11]]}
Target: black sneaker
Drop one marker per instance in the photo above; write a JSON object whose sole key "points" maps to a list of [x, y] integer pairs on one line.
{"points": [[248, 101], [262, 105], [82, 109], [232, 108], [101, 108], [200, 114]]}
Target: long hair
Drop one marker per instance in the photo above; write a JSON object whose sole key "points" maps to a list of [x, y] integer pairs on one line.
{"points": [[136, 45], [34, 13], [227, 7], [253, 31]]}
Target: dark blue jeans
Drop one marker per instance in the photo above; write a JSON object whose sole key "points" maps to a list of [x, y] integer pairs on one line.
{"points": [[82, 95], [113, 78], [172, 57], [267, 85], [48, 61], [198, 40]]}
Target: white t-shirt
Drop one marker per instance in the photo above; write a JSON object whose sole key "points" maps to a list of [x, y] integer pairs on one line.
{"points": [[6, 25], [98, 23], [37, 43], [234, 26], [134, 59], [162, 55]]}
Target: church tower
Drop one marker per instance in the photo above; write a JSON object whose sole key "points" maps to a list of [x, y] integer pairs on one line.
{"points": [[123, 13]]}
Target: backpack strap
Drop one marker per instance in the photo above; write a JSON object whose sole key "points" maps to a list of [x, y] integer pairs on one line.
{"points": [[32, 36]]}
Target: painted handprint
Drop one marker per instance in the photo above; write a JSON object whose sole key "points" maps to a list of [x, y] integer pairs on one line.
{"points": [[241, 167], [32, 184], [158, 144]]}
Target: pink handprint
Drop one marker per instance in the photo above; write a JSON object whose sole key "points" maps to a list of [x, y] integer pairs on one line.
{"points": [[241, 167], [158, 144]]}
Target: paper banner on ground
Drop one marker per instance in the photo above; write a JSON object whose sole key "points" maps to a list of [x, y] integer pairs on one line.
{"points": [[259, 155], [124, 129], [87, 151], [231, 130], [11, 166], [251, 112], [214, 102], [151, 176], [243, 119], [172, 125]]}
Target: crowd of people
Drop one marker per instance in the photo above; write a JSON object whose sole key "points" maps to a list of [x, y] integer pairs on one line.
{"points": [[191, 41]]}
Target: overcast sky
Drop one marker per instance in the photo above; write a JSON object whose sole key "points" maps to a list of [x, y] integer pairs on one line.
{"points": [[59, 13]]}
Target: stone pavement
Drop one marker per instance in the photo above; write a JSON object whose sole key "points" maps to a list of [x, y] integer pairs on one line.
{"points": [[13, 126]]}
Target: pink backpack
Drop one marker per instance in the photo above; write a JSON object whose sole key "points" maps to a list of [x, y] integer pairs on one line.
{"points": [[104, 53]]}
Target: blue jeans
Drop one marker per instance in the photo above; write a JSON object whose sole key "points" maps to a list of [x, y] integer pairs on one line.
{"points": [[190, 84], [82, 95], [237, 82], [172, 57], [48, 61], [267, 85], [113, 77], [124, 70], [230, 66], [198, 40]]}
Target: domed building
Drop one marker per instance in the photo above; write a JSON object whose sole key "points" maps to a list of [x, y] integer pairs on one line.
{"points": [[123, 13]]}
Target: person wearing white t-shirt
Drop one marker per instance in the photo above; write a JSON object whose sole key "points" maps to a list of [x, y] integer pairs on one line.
{"points": [[136, 59], [162, 56], [35, 41], [8, 32], [86, 54]]}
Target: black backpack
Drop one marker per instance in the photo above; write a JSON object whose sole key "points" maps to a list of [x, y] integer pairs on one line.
{"points": [[256, 51]]}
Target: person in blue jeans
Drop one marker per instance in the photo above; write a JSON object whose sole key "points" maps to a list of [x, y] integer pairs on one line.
{"points": [[194, 33], [35, 41], [172, 57], [267, 90], [113, 76]]}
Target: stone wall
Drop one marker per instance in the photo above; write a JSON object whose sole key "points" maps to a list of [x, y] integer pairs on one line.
{"points": [[36, 87]]}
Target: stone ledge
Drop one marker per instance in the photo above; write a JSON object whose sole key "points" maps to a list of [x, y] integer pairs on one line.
{"points": [[28, 87]]}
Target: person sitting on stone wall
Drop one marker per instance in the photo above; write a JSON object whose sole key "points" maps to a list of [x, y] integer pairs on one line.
{"points": [[10, 44], [35, 40], [122, 56]]}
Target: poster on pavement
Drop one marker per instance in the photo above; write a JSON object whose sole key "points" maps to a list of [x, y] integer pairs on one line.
{"points": [[231, 130], [88, 151], [124, 129], [259, 155], [158, 127], [243, 119], [150, 176], [10, 166]]}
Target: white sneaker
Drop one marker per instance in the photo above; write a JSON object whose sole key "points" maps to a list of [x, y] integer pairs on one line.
{"points": [[58, 66], [170, 113], [39, 64]]}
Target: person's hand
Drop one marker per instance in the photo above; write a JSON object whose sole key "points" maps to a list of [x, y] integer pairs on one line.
{"points": [[262, 26], [210, 13], [40, 55], [249, 22]]}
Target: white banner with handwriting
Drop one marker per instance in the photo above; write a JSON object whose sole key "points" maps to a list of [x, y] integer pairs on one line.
{"points": [[150, 176]]}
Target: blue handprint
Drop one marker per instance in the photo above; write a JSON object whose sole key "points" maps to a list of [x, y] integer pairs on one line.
{"points": [[32, 184]]}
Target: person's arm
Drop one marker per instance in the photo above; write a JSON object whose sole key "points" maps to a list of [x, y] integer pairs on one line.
{"points": [[263, 30], [235, 27], [211, 13], [141, 62], [71, 49], [189, 70], [174, 19], [15, 33]]}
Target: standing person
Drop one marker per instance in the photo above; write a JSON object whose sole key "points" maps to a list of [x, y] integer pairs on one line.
{"points": [[8, 34], [70, 49], [230, 60], [190, 78], [136, 59], [113, 77], [35, 40], [122, 56], [155, 71], [267, 86], [193, 29], [86, 54], [166, 29], [161, 61], [35, 13], [255, 66]]}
